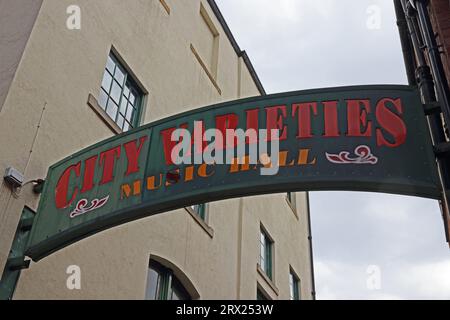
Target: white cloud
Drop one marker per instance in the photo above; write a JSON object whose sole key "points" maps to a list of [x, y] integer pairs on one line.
{"points": [[428, 280]]}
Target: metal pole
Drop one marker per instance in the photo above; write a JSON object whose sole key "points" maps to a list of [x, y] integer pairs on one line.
{"points": [[434, 56], [442, 89], [408, 55]]}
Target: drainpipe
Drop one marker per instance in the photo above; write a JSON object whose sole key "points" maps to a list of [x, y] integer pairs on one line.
{"points": [[443, 92], [426, 85], [408, 54], [313, 283], [434, 57]]}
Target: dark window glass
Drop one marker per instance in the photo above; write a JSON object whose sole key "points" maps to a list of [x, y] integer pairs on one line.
{"points": [[200, 209], [260, 295], [163, 285], [265, 254], [294, 286]]}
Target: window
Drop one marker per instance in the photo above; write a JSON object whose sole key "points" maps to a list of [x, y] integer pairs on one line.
{"points": [[119, 96], [260, 295], [265, 254], [291, 198], [294, 286], [200, 210], [163, 285]]}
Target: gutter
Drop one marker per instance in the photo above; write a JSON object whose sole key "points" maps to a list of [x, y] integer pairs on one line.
{"points": [[240, 53], [405, 41], [311, 259]]}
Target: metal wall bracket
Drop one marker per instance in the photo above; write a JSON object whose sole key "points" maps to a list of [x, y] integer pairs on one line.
{"points": [[431, 108], [442, 149], [26, 224], [18, 263]]}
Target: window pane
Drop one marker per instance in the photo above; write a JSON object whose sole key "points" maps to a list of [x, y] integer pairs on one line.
{"points": [[262, 251], [126, 126], [111, 110], [200, 210], [126, 91], [123, 106], [102, 99], [106, 83], [152, 284], [260, 295], [116, 91], [132, 97], [268, 258], [110, 65], [266, 254], [291, 286], [129, 113], [119, 75], [120, 121], [178, 291]]}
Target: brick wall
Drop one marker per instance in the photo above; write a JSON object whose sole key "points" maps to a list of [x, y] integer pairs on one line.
{"points": [[440, 15]]}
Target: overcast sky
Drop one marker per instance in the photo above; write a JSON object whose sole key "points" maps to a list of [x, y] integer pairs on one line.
{"points": [[303, 44]]}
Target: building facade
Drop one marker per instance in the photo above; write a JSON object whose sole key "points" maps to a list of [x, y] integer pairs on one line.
{"points": [[424, 28], [440, 20], [440, 16], [73, 73]]}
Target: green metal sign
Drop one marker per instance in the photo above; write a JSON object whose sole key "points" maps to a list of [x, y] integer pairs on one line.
{"points": [[366, 138]]}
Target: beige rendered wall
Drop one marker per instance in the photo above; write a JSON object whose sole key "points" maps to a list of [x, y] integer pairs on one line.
{"points": [[45, 118], [17, 19]]}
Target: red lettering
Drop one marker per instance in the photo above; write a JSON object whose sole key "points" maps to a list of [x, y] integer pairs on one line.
{"points": [[390, 122], [304, 118], [107, 160], [331, 119], [224, 122], [357, 117], [89, 171], [199, 133], [168, 144], [62, 187], [133, 151], [275, 121], [252, 123]]}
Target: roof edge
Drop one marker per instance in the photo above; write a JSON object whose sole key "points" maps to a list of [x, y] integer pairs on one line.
{"points": [[237, 49]]}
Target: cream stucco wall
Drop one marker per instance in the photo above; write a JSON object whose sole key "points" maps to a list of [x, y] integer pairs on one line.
{"points": [[45, 117]]}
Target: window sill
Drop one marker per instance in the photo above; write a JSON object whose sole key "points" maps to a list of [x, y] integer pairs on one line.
{"points": [[203, 224], [93, 103], [291, 206], [205, 68], [267, 279], [165, 6]]}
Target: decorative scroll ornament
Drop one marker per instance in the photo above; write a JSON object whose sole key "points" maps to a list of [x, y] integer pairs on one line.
{"points": [[82, 206], [363, 156]]}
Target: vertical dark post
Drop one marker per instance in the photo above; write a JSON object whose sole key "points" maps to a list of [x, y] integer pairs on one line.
{"points": [[434, 58], [407, 47], [442, 90], [407, 15], [16, 259]]}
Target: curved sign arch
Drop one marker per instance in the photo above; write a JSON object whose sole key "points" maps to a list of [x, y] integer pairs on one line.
{"points": [[363, 138]]}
